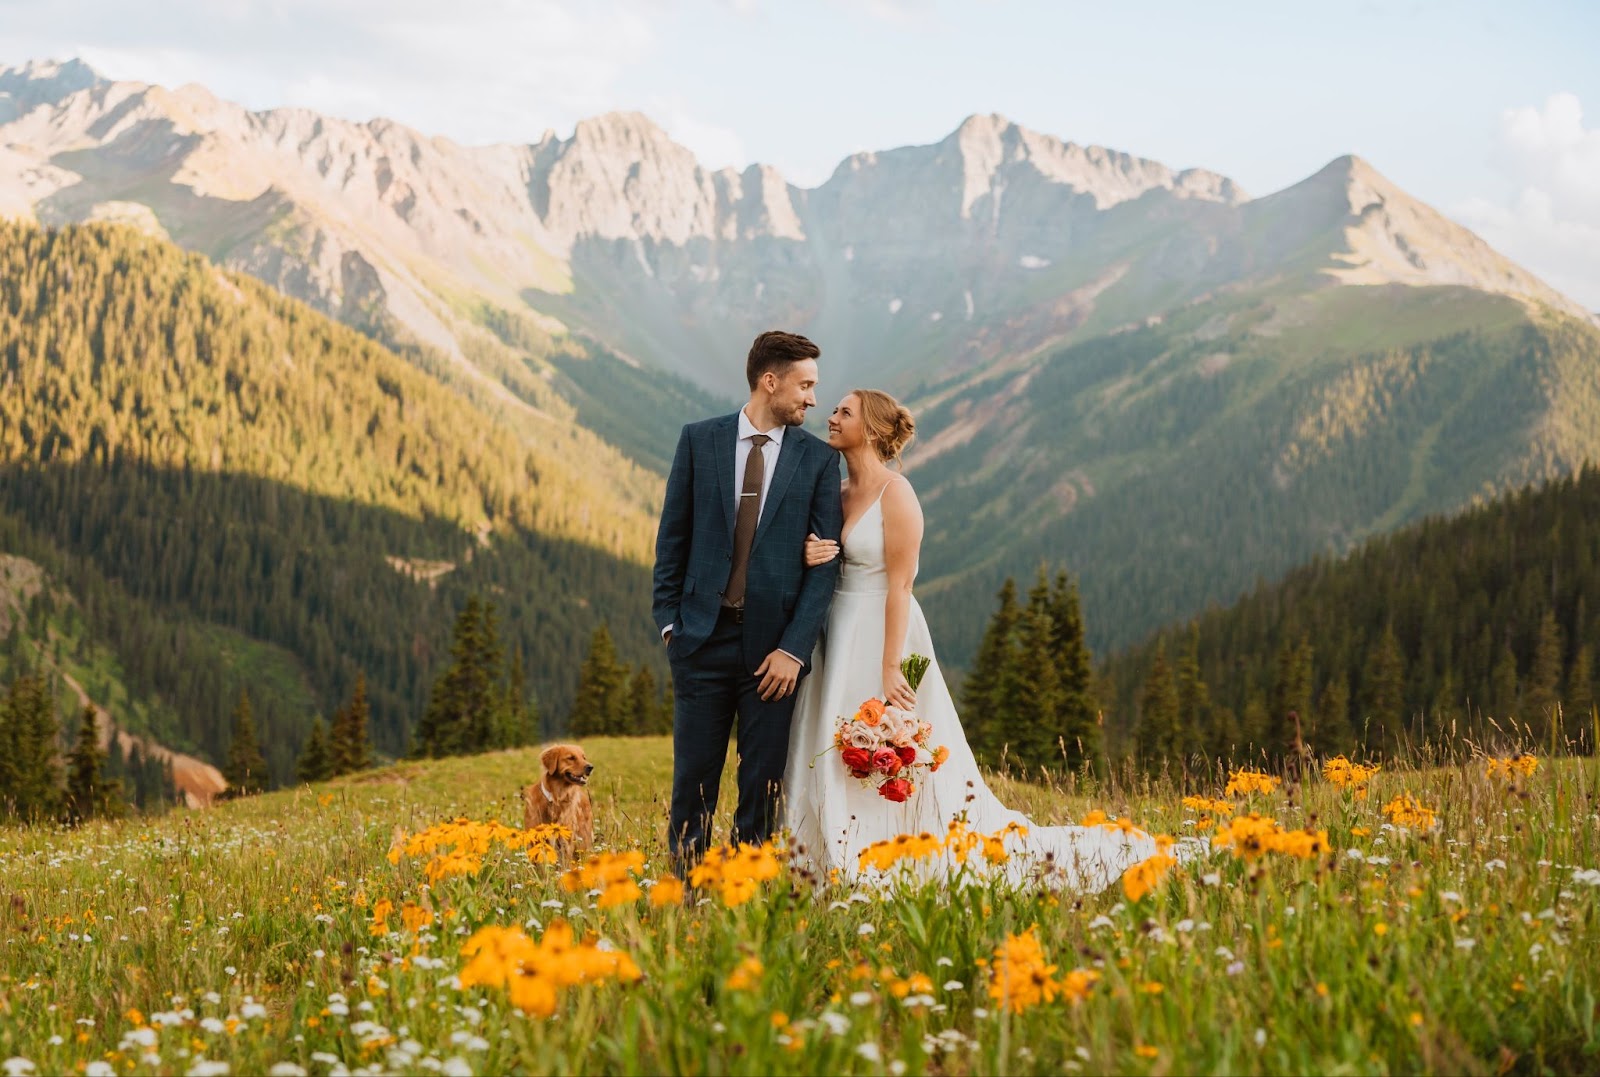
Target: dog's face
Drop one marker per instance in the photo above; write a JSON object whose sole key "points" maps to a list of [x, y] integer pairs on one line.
{"points": [[566, 763]]}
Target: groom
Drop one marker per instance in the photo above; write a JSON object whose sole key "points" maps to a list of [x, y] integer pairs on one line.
{"points": [[736, 605]]}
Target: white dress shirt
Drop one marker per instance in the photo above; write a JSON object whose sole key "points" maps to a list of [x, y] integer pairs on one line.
{"points": [[741, 457]]}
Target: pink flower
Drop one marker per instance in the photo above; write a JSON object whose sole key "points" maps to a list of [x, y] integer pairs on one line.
{"points": [[885, 760]]}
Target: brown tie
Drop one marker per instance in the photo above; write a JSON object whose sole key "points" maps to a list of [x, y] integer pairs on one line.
{"points": [[744, 522]]}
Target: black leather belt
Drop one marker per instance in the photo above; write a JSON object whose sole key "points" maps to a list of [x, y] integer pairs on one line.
{"points": [[732, 613]]}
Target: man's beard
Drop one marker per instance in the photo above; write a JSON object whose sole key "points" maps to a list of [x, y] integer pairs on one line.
{"points": [[795, 416]]}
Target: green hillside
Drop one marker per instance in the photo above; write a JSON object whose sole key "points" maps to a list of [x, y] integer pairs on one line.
{"points": [[1175, 464], [1466, 630], [219, 475]]}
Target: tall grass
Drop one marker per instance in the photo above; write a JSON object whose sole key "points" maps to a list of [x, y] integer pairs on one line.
{"points": [[244, 936]]}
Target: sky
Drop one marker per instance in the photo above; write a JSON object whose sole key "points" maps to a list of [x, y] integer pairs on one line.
{"points": [[1488, 111]]}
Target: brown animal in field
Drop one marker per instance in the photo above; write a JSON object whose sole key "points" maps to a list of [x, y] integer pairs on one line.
{"points": [[560, 796]]}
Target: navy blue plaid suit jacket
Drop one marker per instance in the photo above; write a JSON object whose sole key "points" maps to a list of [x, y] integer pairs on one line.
{"points": [[786, 604]]}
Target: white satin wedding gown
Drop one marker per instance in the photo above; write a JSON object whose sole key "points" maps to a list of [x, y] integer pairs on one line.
{"points": [[833, 817]]}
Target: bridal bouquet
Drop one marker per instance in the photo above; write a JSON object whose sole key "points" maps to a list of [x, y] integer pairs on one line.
{"points": [[887, 748]]}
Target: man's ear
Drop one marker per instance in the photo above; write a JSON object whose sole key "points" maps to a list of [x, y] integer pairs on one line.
{"points": [[548, 757]]}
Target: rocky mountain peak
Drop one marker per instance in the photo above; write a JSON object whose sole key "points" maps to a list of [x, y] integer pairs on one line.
{"points": [[25, 87], [1376, 233]]}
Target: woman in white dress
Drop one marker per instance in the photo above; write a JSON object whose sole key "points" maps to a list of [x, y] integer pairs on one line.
{"points": [[874, 623]]}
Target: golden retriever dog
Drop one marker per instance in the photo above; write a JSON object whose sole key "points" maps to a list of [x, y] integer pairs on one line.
{"points": [[559, 796]]}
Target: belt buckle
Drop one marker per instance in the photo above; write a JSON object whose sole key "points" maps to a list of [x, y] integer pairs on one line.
{"points": [[734, 613]]}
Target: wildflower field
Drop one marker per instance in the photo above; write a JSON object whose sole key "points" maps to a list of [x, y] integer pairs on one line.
{"points": [[1398, 920]]}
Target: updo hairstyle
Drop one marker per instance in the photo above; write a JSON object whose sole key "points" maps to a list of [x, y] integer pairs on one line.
{"points": [[889, 425]]}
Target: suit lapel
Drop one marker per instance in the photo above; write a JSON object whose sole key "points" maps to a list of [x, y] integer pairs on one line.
{"points": [[723, 440], [789, 455]]}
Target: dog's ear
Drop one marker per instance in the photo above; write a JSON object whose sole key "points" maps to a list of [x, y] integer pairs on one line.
{"points": [[549, 757]]}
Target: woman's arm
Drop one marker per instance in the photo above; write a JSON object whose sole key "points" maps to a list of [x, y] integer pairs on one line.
{"points": [[902, 544]]}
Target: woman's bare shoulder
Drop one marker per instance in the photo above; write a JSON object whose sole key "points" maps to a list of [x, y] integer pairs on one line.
{"points": [[900, 497]]}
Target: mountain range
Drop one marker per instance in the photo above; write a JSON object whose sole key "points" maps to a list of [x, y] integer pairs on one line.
{"points": [[1145, 373]]}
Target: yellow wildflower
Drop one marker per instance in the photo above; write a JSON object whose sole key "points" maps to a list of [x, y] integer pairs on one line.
{"points": [[1146, 875], [1205, 804], [668, 891], [746, 975], [1347, 775], [1524, 765], [1405, 810], [1245, 782], [414, 916]]}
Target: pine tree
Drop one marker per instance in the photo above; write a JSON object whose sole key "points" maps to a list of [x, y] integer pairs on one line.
{"points": [[30, 776], [316, 762], [602, 699], [1580, 698], [246, 768], [1224, 738], [1445, 714], [490, 721], [1194, 732], [1544, 680], [464, 708], [988, 699], [1160, 738], [520, 715], [1079, 722], [1254, 723], [668, 709], [89, 795], [1332, 731], [1032, 740], [644, 708], [1383, 691], [349, 748], [1291, 698], [1503, 689]]}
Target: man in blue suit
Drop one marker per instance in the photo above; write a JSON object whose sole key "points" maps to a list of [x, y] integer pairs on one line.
{"points": [[738, 608]]}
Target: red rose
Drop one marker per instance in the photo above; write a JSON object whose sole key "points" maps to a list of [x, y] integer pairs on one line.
{"points": [[859, 760], [907, 754], [886, 761], [895, 789]]}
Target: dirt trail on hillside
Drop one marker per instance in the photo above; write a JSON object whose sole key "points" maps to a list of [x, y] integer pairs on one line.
{"points": [[197, 780]]}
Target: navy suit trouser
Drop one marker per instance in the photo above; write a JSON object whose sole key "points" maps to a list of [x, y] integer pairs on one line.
{"points": [[710, 687]]}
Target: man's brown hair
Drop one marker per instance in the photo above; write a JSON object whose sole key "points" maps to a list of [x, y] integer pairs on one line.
{"points": [[776, 351]]}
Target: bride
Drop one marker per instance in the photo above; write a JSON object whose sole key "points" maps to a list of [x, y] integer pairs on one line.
{"points": [[875, 622]]}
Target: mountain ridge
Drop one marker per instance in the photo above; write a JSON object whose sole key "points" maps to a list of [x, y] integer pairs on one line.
{"points": [[701, 259]]}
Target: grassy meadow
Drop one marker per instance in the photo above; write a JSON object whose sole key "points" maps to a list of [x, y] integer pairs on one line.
{"points": [[329, 930]]}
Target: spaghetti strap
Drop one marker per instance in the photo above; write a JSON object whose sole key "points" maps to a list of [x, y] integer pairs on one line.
{"points": [[875, 503]]}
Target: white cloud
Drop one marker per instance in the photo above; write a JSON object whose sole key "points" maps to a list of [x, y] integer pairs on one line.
{"points": [[474, 70], [1551, 221], [713, 146]]}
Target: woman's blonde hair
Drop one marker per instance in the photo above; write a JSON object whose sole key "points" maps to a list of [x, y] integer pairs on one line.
{"points": [[889, 425]]}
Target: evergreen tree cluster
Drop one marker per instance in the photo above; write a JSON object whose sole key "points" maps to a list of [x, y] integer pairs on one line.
{"points": [[1176, 485], [345, 748], [477, 704], [615, 700], [38, 783], [1029, 701], [1478, 629], [204, 465]]}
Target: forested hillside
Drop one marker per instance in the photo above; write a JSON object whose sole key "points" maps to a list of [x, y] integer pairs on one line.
{"points": [[1176, 464], [203, 463], [1473, 629]]}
